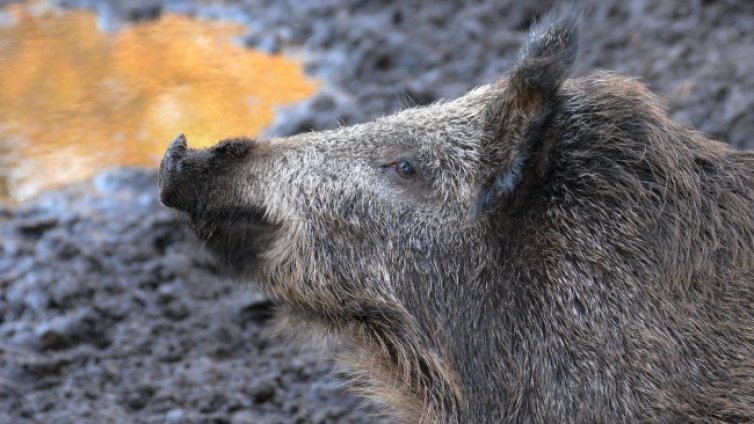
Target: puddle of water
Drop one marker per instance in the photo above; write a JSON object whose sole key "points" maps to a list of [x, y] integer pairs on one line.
{"points": [[74, 100]]}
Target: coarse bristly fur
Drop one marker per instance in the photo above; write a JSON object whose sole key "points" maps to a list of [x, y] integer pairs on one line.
{"points": [[564, 251]]}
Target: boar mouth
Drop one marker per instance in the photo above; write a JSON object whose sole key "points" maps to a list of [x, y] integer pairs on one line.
{"points": [[237, 236]]}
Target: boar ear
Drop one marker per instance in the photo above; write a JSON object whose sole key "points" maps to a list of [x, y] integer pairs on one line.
{"points": [[516, 120]]}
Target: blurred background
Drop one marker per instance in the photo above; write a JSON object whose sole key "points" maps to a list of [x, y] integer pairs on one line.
{"points": [[109, 312]]}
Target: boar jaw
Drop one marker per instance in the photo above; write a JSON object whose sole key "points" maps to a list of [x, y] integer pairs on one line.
{"points": [[238, 237]]}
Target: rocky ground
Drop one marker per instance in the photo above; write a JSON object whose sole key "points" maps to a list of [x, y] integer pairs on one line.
{"points": [[109, 312]]}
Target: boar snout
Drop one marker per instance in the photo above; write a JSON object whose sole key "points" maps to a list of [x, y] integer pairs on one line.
{"points": [[187, 175], [170, 174]]}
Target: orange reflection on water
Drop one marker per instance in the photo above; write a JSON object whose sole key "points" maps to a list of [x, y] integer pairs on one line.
{"points": [[74, 100]]}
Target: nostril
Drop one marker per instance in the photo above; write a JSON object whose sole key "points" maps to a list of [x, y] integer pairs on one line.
{"points": [[178, 147], [174, 155], [169, 179]]}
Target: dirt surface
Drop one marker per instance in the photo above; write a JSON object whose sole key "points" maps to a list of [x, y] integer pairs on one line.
{"points": [[109, 312]]}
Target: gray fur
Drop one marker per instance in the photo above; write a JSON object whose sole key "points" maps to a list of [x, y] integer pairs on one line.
{"points": [[567, 253]]}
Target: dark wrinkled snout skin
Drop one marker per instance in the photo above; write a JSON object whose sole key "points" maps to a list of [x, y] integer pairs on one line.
{"points": [[187, 176], [197, 182]]}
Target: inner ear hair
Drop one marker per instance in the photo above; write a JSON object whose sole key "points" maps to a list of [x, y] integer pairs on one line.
{"points": [[517, 120]]}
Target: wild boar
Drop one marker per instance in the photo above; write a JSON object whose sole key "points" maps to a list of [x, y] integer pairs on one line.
{"points": [[545, 248]]}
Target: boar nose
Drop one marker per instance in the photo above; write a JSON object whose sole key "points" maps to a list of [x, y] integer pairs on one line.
{"points": [[177, 150], [187, 175], [172, 193], [178, 146]]}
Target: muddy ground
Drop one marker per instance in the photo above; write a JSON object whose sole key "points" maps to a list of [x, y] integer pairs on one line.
{"points": [[109, 312]]}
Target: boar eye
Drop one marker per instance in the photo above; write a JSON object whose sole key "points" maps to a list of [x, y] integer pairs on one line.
{"points": [[404, 169]]}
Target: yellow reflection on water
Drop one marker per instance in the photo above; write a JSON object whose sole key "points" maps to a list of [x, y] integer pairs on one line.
{"points": [[74, 100]]}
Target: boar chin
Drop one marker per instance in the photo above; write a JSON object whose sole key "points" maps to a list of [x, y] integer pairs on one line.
{"points": [[237, 237]]}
